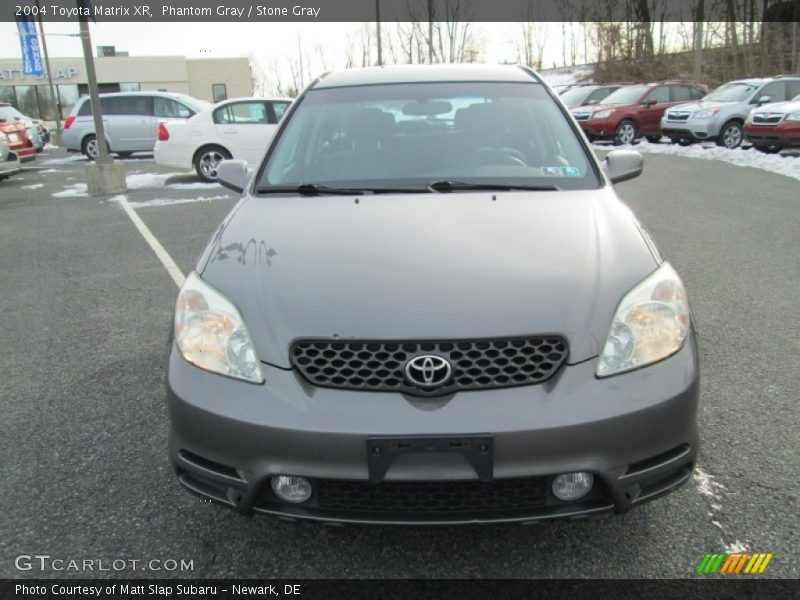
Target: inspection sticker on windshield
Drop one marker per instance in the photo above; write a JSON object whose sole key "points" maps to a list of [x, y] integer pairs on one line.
{"points": [[561, 171]]}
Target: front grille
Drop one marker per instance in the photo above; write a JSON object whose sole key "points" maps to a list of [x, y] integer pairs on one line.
{"points": [[475, 364], [767, 118], [432, 497], [584, 116], [678, 116]]}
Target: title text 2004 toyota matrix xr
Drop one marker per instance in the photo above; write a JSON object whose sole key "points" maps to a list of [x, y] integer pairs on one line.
{"points": [[430, 307]]}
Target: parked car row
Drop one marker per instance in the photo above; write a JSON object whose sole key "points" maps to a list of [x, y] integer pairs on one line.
{"points": [[182, 131], [35, 129], [682, 111]]}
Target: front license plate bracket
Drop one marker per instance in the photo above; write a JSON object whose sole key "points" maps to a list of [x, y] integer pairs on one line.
{"points": [[477, 449]]}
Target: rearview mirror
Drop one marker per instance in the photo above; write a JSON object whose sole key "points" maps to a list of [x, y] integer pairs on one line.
{"points": [[233, 174], [622, 165]]}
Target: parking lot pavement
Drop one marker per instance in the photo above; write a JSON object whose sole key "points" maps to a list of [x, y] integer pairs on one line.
{"points": [[85, 310]]}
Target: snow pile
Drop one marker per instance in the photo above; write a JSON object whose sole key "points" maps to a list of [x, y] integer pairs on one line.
{"points": [[77, 190], [148, 180], [35, 186], [773, 163]]}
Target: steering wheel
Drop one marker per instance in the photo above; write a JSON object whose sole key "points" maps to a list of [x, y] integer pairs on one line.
{"points": [[500, 156]]}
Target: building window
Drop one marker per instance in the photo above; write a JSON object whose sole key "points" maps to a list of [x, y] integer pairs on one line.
{"points": [[7, 95], [28, 103], [129, 87], [219, 91]]}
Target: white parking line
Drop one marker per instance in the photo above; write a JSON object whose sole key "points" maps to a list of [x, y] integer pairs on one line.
{"points": [[166, 260]]}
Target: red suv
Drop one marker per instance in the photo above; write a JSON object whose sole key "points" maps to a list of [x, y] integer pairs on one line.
{"points": [[634, 111], [18, 141]]}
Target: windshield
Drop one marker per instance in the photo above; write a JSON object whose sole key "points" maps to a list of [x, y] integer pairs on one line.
{"points": [[625, 95], [415, 134], [731, 92], [577, 95]]}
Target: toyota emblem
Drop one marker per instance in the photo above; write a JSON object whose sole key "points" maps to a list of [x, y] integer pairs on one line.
{"points": [[428, 371]]}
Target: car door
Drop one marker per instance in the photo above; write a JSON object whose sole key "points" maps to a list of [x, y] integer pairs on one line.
{"points": [[244, 128], [165, 109], [653, 107], [127, 122]]}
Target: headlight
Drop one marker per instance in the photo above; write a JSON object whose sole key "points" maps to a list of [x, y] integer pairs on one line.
{"points": [[793, 117], [211, 334], [602, 114], [650, 324], [705, 114]]}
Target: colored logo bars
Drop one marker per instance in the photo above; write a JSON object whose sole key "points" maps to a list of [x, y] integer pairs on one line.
{"points": [[734, 563]]}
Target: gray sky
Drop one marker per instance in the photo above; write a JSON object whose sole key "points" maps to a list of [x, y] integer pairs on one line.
{"points": [[265, 40]]}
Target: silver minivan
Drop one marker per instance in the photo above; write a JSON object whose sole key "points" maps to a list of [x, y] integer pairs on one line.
{"points": [[130, 120]]}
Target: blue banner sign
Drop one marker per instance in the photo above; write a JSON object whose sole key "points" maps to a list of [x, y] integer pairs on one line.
{"points": [[29, 42]]}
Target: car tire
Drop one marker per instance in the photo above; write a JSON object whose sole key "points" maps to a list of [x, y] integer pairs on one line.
{"points": [[731, 135], [206, 161], [89, 147], [627, 132]]}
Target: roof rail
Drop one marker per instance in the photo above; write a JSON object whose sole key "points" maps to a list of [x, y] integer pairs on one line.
{"points": [[782, 75]]}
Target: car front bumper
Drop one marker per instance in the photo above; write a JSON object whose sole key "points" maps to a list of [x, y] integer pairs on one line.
{"points": [[636, 432], [784, 135], [691, 129], [600, 129]]}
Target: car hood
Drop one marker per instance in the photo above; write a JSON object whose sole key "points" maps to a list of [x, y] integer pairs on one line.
{"points": [[701, 105], [428, 266]]}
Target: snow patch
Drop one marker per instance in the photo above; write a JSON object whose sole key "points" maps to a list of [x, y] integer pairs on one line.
{"points": [[737, 547], [708, 486], [74, 191], [35, 186], [567, 75], [51, 171], [174, 201], [66, 159], [198, 185], [774, 163], [148, 180]]}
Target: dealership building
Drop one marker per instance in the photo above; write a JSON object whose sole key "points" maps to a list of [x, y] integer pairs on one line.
{"points": [[211, 79]]}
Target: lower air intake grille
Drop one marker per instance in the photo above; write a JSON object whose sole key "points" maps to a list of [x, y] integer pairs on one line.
{"points": [[432, 497], [471, 365]]}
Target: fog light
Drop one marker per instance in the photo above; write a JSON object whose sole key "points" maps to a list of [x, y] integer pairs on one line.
{"points": [[572, 486], [291, 489]]}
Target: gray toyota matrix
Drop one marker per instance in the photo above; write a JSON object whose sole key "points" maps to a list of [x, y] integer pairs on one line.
{"points": [[430, 307]]}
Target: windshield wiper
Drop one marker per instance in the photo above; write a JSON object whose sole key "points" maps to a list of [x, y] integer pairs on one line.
{"points": [[445, 186], [308, 189], [313, 189]]}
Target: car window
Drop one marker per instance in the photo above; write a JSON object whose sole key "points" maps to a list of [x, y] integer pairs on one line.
{"points": [[598, 95], [731, 92], [279, 109], [242, 113], [793, 86], [576, 95], [170, 109], [696, 93], [125, 105], [659, 94], [776, 90], [85, 109], [625, 95], [681, 93], [413, 134]]}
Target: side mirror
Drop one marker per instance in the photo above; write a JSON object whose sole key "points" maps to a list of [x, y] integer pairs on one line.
{"points": [[622, 165], [591, 102], [649, 102], [764, 100], [233, 174]]}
